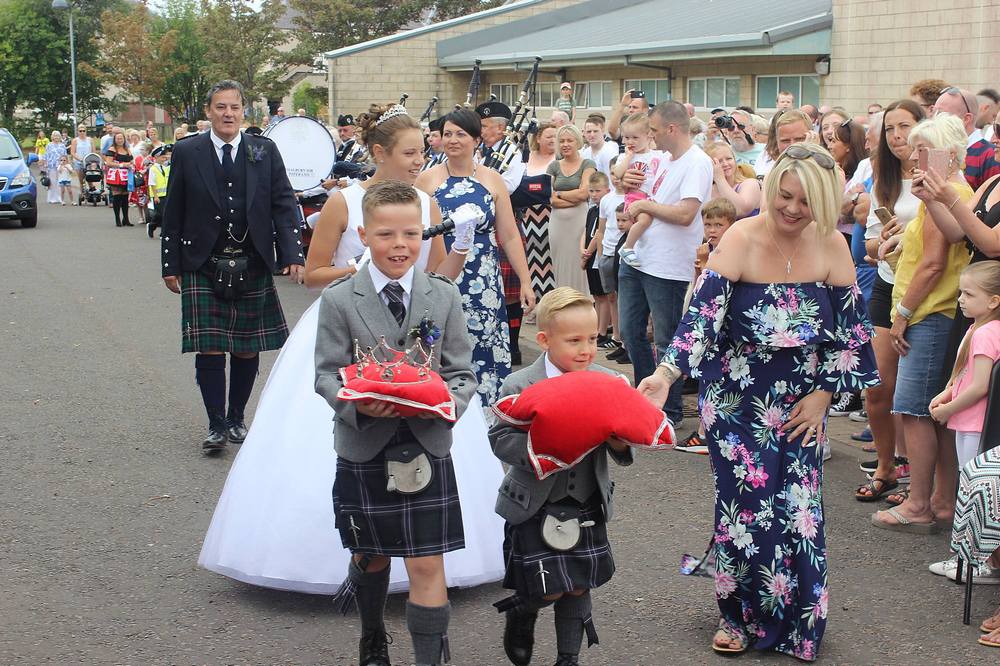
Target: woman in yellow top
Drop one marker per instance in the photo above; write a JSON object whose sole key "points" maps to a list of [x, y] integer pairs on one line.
{"points": [[40, 142], [924, 296]]}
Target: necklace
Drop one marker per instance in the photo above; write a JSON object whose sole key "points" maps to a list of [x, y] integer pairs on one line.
{"points": [[788, 260]]}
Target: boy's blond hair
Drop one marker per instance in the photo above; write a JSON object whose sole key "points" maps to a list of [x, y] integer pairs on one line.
{"points": [[387, 193], [556, 301], [597, 179], [720, 207]]}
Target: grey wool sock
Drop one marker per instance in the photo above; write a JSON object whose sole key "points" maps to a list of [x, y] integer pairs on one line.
{"points": [[370, 595], [572, 614], [428, 627]]}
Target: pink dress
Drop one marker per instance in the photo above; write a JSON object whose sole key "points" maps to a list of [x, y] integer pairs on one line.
{"points": [[985, 341]]}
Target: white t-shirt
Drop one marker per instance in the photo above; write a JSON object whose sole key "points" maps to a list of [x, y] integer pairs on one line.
{"points": [[650, 161], [666, 250], [603, 157], [612, 233], [906, 209], [763, 165]]}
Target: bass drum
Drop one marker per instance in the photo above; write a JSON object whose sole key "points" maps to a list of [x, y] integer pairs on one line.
{"points": [[306, 148]]}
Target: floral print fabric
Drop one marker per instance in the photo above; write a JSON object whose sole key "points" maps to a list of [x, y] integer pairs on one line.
{"points": [[481, 285], [757, 349]]}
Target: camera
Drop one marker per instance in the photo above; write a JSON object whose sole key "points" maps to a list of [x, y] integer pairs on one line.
{"points": [[725, 122]]}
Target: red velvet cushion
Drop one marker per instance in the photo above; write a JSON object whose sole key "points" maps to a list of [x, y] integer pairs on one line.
{"points": [[408, 389], [569, 416]]}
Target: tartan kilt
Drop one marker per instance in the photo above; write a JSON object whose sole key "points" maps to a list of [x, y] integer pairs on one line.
{"points": [[511, 283], [587, 566], [374, 521], [253, 323]]}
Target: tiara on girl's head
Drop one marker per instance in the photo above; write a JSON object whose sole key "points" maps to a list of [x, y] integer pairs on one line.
{"points": [[392, 112]]}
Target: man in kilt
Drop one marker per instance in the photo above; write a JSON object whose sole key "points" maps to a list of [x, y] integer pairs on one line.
{"points": [[541, 568], [230, 212], [382, 507]]}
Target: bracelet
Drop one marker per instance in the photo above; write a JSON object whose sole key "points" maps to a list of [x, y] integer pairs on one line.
{"points": [[957, 199], [459, 252], [670, 372], [904, 312]]}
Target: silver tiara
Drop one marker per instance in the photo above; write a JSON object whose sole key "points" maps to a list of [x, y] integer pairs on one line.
{"points": [[394, 110]]}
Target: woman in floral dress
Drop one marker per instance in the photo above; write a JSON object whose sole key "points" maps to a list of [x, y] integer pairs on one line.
{"points": [[459, 181], [770, 342]]}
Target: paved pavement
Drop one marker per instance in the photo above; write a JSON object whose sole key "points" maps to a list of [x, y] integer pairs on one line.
{"points": [[106, 498]]}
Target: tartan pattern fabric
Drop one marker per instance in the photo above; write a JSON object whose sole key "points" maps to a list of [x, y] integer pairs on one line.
{"points": [[373, 521], [976, 532], [251, 324], [535, 570], [511, 283]]}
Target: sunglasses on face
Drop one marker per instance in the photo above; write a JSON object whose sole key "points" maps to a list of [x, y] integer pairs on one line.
{"points": [[953, 90], [803, 153]]}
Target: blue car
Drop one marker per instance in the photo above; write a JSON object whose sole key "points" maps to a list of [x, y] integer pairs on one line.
{"points": [[18, 190]]}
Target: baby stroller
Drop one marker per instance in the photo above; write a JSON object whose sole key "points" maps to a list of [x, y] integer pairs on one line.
{"points": [[94, 189]]}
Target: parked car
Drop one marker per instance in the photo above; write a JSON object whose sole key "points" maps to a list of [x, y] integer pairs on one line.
{"points": [[18, 191]]}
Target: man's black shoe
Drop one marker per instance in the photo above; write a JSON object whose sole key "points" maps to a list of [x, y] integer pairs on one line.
{"points": [[216, 440], [374, 648], [519, 637], [567, 660], [236, 430]]}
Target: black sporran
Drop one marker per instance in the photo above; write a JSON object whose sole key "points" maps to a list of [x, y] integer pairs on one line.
{"points": [[232, 277]]}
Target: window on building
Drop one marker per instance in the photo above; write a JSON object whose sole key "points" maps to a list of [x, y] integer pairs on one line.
{"points": [[714, 92], [546, 94], [594, 94], [505, 92], [805, 88], [657, 90]]}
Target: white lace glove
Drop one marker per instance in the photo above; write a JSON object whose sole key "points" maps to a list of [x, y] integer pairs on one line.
{"points": [[365, 257], [466, 217]]}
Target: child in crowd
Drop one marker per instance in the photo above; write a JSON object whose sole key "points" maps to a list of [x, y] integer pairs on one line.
{"points": [[962, 403], [159, 176], [597, 188], [384, 301], [539, 574], [639, 154], [623, 222], [717, 216], [65, 177], [139, 196], [607, 242]]}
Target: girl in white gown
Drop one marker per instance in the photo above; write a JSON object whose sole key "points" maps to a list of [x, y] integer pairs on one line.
{"points": [[274, 523]]}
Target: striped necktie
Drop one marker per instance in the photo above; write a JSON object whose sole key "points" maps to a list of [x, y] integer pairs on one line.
{"points": [[394, 292]]}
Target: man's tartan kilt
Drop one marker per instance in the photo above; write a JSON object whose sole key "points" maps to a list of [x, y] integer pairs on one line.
{"points": [[374, 521], [253, 323]]}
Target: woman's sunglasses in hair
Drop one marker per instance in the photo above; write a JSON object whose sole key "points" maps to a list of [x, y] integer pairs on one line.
{"points": [[803, 153]]}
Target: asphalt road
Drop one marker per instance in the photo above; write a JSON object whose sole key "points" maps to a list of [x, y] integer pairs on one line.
{"points": [[106, 497]]}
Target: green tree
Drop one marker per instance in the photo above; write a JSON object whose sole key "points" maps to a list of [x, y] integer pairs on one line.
{"points": [[187, 67], [326, 25], [309, 97], [243, 44], [132, 57]]}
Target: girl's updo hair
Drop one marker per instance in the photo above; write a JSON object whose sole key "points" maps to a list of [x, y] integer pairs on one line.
{"points": [[384, 134], [468, 121]]}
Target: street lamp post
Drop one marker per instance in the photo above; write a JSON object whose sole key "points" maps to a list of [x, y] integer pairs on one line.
{"points": [[63, 4]]}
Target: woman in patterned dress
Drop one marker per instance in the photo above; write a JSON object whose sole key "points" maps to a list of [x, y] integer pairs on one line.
{"points": [[461, 181], [770, 342], [535, 219]]}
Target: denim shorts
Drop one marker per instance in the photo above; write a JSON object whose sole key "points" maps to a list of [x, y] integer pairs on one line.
{"points": [[919, 377], [609, 274]]}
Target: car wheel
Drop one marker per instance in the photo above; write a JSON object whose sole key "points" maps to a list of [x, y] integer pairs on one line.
{"points": [[30, 222]]}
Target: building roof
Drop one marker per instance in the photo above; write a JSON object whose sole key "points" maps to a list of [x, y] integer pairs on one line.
{"points": [[610, 31], [440, 25]]}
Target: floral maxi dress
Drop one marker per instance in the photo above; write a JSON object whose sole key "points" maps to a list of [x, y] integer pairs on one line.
{"points": [[481, 285], [757, 349]]}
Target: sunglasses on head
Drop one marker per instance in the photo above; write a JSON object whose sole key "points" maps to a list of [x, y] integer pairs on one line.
{"points": [[954, 90], [798, 152]]}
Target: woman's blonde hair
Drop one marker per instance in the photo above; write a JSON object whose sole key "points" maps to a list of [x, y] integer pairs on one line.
{"points": [[943, 131], [714, 149], [986, 276], [821, 185], [533, 139], [573, 131]]}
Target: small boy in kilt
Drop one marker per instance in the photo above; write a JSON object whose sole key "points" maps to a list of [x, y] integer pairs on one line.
{"points": [[539, 573], [386, 300]]}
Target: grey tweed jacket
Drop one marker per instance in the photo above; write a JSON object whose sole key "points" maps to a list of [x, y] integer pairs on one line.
{"points": [[521, 494], [351, 309]]}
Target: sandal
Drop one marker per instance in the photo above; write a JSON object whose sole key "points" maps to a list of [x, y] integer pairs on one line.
{"points": [[876, 489], [991, 639], [895, 499], [730, 637], [903, 524], [985, 626]]}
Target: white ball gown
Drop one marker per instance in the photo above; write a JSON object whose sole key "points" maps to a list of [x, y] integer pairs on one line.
{"points": [[274, 523]]}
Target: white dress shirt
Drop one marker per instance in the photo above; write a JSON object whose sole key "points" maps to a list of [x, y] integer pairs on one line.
{"points": [[219, 143], [550, 368], [380, 279]]}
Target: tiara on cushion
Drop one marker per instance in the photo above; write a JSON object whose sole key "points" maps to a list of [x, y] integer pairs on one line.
{"points": [[392, 112]]}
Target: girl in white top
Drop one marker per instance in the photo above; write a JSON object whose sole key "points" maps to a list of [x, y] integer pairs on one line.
{"points": [[639, 154]]}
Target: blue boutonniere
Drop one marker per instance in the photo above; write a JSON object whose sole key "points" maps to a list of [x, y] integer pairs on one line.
{"points": [[255, 153], [427, 332]]}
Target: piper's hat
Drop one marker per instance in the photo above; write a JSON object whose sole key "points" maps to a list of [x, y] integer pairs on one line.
{"points": [[345, 120], [436, 125], [566, 86], [494, 110], [162, 150]]}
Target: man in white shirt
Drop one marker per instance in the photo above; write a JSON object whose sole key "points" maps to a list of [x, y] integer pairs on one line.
{"points": [[667, 249], [495, 116], [598, 148]]}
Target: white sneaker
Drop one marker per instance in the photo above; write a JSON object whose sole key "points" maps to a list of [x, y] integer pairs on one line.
{"points": [[827, 453], [982, 574], [859, 416]]}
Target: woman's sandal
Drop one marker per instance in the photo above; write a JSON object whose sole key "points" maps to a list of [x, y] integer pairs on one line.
{"points": [[895, 499], [876, 489], [986, 628], [991, 639], [730, 638]]}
